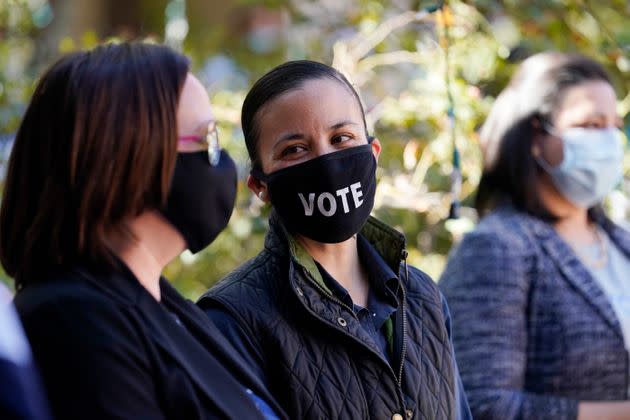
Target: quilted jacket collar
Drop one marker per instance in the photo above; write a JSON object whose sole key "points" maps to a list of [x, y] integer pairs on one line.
{"points": [[388, 242]]}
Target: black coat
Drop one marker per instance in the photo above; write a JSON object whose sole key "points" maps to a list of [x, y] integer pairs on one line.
{"points": [[107, 349], [316, 358]]}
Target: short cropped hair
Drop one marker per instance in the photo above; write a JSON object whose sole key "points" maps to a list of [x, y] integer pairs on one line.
{"points": [[282, 79]]}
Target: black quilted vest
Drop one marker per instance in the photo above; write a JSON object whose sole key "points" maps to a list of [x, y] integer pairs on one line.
{"points": [[318, 361]]}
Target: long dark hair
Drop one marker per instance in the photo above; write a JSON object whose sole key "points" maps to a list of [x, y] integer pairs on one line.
{"points": [[97, 146], [518, 115], [282, 79]]}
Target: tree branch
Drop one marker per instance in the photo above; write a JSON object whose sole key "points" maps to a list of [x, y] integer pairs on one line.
{"points": [[361, 44]]}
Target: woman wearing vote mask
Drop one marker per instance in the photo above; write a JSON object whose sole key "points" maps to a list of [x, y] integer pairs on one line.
{"points": [[540, 291], [329, 314], [116, 169]]}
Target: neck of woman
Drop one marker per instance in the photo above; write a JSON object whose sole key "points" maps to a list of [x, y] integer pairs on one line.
{"points": [[573, 223], [341, 261], [155, 243], [576, 228]]}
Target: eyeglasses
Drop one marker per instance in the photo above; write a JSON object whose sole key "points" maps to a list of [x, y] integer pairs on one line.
{"points": [[210, 140]]}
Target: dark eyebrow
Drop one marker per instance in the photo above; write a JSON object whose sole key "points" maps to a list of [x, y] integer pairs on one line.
{"points": [[290, 136], [298, 136], [341, 124], [287, 137]]}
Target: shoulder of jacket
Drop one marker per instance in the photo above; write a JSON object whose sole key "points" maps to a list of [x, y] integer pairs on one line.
{"points": [[419, 283], [67, 291], [254, 279], [77, 311], [503, 249], [507, 229]]}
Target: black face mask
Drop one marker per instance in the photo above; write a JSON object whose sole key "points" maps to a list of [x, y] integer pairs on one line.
{"points": [[202, 197], [327, 199]]}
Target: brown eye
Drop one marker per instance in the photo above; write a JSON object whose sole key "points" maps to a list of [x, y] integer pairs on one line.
{"points": [[340, 138], [590, 125], [293, 149]]}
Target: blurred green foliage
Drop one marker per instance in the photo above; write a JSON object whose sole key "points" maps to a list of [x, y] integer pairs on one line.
{"points": [[395, 56]]}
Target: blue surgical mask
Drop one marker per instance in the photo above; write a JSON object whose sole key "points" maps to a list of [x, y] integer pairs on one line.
{"points": [[591, 167]]}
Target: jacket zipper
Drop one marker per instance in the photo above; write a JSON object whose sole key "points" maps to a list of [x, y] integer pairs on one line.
{"points": [[403, 353], [328, 295]]}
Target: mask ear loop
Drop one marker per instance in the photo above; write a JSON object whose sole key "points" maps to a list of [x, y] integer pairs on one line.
{"points": [[545, 126], [541, 123], [543, 164], [258, 174]]}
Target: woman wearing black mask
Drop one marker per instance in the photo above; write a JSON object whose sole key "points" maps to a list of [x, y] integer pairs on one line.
{"points": [[329, 314], [116, 169]]}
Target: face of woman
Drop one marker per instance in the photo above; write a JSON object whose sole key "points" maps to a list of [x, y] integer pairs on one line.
{"points": [[582, 156], [320, 117], [203, 187], [194, 116], [592, 104]]}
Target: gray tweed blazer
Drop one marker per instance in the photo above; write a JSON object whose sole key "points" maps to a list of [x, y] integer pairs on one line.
{"points": [[533, 332]]}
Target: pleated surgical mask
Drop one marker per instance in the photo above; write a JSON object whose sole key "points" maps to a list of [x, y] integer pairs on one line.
{"points": [[591, 167]]}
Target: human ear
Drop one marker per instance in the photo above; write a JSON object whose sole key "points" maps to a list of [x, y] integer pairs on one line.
{"points": [[538, 136], [259, 188], [536, 152], [376, 147]]}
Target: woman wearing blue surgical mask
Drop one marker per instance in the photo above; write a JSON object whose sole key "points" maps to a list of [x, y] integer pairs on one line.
{"points": [[540, 291], [329, 314]]}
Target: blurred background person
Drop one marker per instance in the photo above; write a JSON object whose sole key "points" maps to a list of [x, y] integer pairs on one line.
{"points": [[329, 315], [115, 170], [21, 392], [540, 291]]}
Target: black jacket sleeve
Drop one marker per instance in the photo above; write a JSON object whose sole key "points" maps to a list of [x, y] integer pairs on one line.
{"points": [[239, 339]]}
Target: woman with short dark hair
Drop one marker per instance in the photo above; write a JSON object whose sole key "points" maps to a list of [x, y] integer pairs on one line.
{"points": [[540, 291], [116, 169], [329, 314]]}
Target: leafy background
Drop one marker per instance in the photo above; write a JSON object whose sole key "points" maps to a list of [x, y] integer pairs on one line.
{"points": [[397, 56]]}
